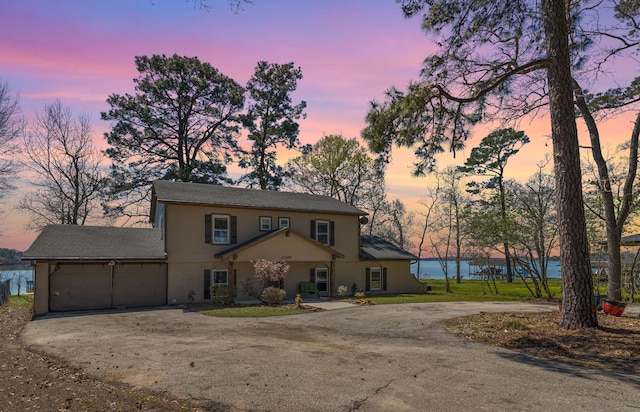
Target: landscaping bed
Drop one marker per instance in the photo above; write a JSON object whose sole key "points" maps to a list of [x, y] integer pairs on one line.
{"points": [[615, 345]]}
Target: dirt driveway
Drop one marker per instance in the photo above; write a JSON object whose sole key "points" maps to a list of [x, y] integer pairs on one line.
{"points": [[369, 358]]}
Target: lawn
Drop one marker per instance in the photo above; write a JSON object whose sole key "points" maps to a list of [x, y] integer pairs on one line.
{"points": [[20, 301], [468, 291], [256, 311]]}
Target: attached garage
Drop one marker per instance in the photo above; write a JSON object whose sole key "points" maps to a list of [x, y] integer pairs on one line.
{"points": [[86, 267], [84, 286]]}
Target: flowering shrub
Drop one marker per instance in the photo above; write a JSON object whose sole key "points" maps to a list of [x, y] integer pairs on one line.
{"points": [[273, 295], [270, 272], [359, 295], [342, 291]]}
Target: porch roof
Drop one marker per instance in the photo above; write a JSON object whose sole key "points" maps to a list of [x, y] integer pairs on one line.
{"points": [[267, 236], [373, 247]]}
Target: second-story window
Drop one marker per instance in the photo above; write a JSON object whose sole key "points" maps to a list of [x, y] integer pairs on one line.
{"points": [[322, 231], [265, 223], [221, 229], [283, 222]]}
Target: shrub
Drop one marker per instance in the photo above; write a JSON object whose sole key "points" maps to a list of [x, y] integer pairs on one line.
{"points": [[224, 294], [342, 291], [270, 272], [273, 295], [354, 289], [359, 295]]}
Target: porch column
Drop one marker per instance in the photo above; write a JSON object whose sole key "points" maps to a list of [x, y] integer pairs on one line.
{"points": [[332, 276], [232, 275]]}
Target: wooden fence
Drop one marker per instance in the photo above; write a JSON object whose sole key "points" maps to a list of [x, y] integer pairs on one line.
{"points": [[5, 292]]}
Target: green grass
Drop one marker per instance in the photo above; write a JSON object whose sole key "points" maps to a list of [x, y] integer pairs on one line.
{"points": [[21, 301], [468, 291], [257, 311]]}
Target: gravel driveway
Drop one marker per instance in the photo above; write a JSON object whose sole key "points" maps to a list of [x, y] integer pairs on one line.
{"points": [[365, 358]]}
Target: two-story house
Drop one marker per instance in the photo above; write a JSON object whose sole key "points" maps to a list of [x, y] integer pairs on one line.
{"points": [[205, 235]]}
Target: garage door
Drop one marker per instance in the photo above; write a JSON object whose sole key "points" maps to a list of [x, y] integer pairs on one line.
{"points": [[80, 286], [90, 286], [142, 284]]}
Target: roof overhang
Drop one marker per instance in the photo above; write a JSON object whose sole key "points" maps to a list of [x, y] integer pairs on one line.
{"points": [[285, 243]]}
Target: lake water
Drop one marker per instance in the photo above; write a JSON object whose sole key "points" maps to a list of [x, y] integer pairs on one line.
{"points": [[431, 269], [14, 275]]}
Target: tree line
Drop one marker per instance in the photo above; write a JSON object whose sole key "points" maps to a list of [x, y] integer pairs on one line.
{"points": [[182, 123]]}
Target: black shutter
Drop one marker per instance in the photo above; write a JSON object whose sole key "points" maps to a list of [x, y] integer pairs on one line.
{"points": [[367, 280], [384, 278], [207, 229], [207, 284], [312, 275], [332, 237], [312, 230], [234, 230]]}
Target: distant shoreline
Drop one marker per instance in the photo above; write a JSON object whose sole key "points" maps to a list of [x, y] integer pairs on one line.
{"points": [[15, 267]]}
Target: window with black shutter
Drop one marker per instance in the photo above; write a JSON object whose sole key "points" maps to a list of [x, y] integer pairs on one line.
{"points": [[208, 230], [207, 284]]}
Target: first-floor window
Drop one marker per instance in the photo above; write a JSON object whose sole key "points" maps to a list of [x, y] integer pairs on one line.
{"points": [[220, 277], [322, 279], [375, 282], [221, 229]]}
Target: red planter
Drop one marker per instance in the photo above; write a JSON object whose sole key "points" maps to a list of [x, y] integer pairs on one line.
{"points": [[613, 307]]}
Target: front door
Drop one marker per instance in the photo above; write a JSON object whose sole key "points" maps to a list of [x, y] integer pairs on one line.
{"points": [[322, 281]]}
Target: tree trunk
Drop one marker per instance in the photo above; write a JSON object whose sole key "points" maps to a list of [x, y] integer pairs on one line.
{"points": [[614, 224], [578, 309]]}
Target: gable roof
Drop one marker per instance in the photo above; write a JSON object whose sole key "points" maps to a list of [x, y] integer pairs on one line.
{"points": [[373, 247], [205, 194], [270, 235], [96, 243]]}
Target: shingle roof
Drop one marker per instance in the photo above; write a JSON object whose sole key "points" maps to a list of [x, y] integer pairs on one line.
{"points": [[268, 235], [93, 242], [631, 240], [372, 247], [204, 194]]}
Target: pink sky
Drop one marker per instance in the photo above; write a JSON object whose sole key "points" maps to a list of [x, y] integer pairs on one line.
{"points": [[81, 51]]}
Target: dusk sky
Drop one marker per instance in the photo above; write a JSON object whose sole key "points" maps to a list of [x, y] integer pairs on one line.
{"points": [[350, 52]]}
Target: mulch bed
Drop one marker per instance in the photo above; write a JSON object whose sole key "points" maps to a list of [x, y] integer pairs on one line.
{"points": [[615, 345]]}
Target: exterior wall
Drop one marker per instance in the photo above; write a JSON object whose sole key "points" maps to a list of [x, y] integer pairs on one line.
{"points": [[189, 255], [41, 289], [399, 277], [298, 272]]}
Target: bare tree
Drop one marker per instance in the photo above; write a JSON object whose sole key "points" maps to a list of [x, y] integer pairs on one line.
{"points": [[533, 206], [610, 199], [395, 223], [456, 201], [11, 125], [58, 149]]}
